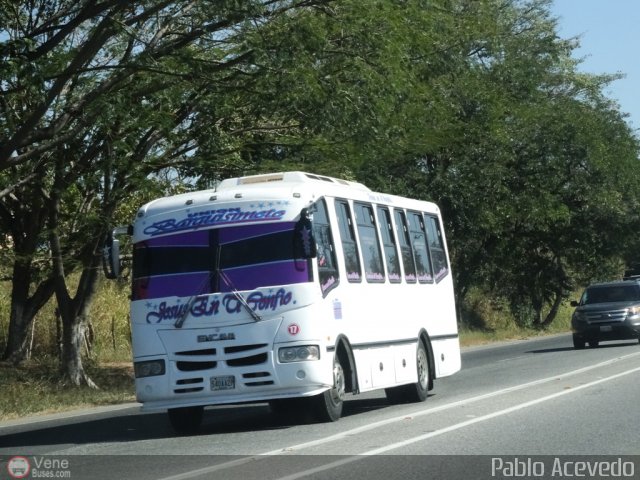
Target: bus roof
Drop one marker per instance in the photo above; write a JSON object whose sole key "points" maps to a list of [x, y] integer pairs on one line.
{"points": [[296, 188], [260, 181]]}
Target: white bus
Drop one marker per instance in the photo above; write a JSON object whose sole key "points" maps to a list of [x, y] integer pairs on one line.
{"points": [[287, 288]]}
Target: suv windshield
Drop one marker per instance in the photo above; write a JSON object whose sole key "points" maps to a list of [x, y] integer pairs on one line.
{"points": [[611, 293], [189, 263]]}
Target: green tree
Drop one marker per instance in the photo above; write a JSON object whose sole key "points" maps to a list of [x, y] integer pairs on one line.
{"points": [[97, 97], [528, 169]]}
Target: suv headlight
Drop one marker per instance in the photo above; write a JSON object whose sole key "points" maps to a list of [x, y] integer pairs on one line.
{"points": [[633, 311], [298, 354], [578, 316]]}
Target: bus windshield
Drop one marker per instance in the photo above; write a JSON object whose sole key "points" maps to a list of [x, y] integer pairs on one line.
{"points": [[190, 263]]}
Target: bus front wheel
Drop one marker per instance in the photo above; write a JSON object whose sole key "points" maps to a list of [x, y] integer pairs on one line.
{"points": [[328, 405]]}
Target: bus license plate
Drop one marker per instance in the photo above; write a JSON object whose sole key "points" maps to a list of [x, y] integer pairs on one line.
{"points": [[227, 382]]}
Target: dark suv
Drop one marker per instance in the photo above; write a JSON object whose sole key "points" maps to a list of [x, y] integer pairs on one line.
{"points": [[607, 311]]}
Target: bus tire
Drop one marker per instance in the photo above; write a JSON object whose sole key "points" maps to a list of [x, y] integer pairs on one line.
{"points": [[328, 405], [186, 420], [419, 391]]}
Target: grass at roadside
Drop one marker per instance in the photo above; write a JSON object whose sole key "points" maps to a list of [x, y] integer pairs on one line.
{"points": [[470, 338], [35, 388]]}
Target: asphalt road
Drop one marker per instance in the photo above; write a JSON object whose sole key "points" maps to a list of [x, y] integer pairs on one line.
{"points": [[527, 407]]}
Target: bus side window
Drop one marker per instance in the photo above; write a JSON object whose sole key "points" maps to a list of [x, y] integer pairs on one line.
{"points": [[369, 242], [405, 247], [420, 249], [436, 246], [348, 238], [327, 267], [389, 244]]}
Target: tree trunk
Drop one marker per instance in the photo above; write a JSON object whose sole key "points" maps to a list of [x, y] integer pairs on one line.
{"points": [[73, 310], [23, 214], [537, 306], [74, 314], [554, 310], [23, 310], [19, 321], [73, 329]]}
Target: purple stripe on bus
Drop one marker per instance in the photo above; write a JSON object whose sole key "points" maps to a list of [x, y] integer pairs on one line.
{"points": [[169, 285], [243, 278], [254, 276]]}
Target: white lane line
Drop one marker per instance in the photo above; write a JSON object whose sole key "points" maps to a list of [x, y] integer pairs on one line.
{"points": [[447, 406], [382, 423], [451, 428]]}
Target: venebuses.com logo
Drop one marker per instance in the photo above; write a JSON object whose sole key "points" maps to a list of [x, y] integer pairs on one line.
{"points": [[38, 467]]}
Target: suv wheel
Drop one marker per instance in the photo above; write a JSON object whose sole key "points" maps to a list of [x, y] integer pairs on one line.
{"points": [[578, 342]]}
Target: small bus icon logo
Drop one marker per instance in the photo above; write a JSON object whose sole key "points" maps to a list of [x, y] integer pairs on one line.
{"points": [[18, 467]]}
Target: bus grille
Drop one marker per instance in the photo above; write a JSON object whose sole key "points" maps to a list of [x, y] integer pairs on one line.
{"points": [[257, 379], [190, 385], [210, 359]]}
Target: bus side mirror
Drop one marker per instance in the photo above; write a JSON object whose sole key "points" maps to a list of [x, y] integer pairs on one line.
{"points": [[111, 258], [111, 261], [304, 243]]}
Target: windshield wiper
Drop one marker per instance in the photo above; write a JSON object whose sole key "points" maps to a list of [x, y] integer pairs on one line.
{"points": [[180, 321], [234, 290], [239, 297]]}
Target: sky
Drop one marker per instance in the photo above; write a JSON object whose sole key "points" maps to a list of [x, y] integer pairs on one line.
{"points": [[609, 43]]}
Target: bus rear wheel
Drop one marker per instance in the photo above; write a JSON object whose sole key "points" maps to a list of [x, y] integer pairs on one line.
{"points": [[415, 392], [419, 391], [186, 420], [328, 405], [421, 387]]}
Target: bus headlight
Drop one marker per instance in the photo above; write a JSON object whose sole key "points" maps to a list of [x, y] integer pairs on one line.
{"points": [[149, 368], [298, 354]]}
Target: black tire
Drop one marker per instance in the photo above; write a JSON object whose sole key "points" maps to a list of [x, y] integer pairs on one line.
{"points": [[186, 420], [415, 392], [594, 343], [419, 391], [578, 342], [328, 405]]}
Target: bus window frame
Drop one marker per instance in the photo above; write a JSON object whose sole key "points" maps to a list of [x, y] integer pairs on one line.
{"points": [[339, 203], [386, 222], [373, 226], [322, 249]]}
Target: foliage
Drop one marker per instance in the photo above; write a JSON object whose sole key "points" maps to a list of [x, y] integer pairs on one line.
{"points": [[476, 105]]}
